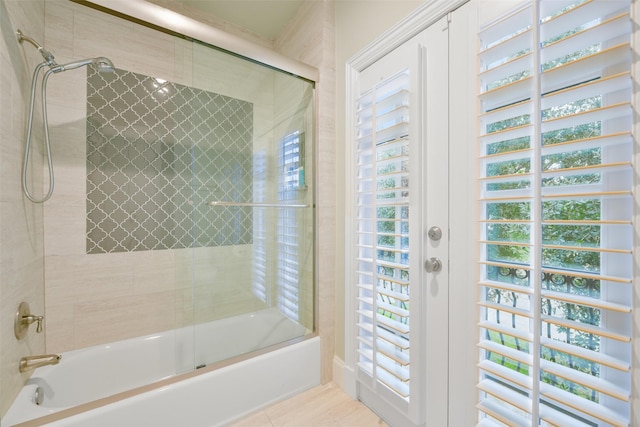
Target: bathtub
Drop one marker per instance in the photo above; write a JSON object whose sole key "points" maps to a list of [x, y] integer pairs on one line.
{"points": [[150, 380]]}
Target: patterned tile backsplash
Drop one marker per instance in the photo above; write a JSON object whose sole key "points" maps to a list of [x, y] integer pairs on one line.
{"points": [[157, 153]]}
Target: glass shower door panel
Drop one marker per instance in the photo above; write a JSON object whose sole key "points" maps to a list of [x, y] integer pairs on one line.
{"points": [[252, 255]]}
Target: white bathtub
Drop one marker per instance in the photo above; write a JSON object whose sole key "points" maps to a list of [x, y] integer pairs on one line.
{"points": [[214, 397]]}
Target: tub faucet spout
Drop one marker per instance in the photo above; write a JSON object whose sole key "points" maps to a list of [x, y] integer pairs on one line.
{"points": [[29, 363]]}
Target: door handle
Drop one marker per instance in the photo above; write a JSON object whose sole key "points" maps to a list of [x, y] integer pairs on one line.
{"points": [[433, 265], [435, 233]]}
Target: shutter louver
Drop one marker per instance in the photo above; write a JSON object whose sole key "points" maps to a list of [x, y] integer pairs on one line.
{"points": [[556, 243], [382, 234]]}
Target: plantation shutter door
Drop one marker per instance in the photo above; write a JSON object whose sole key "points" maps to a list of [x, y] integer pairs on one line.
{"points": [[556, 206], [382, 233], [399, 162]]}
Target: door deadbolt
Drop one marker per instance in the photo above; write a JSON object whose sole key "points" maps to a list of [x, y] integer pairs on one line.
{"points": [[435, 233], [433, 265]]}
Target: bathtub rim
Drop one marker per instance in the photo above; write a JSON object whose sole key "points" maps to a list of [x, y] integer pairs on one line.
{"points": [[196, 372]]}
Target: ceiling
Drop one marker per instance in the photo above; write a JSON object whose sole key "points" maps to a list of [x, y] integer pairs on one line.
{"points": [[265, 18]]}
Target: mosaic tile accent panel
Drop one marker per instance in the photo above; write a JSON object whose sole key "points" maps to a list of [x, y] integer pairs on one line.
{"points": [[157, 153]]}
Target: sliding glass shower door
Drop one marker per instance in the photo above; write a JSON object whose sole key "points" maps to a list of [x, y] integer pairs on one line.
{"points": [[251, 200]]}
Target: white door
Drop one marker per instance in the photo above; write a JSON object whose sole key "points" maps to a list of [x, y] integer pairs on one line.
{"points": [[400, 232]]}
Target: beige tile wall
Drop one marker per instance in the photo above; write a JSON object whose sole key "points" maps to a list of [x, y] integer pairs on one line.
{"points": [[21, 248]]}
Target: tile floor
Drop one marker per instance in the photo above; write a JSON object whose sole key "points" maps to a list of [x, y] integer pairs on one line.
{"points": [[326, 406]]}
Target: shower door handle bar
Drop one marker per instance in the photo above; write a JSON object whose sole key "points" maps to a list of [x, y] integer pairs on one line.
{"points": [[258, 205]]}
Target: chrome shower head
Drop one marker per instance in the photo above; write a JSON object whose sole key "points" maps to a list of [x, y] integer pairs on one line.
{"points": [[104, 65]]}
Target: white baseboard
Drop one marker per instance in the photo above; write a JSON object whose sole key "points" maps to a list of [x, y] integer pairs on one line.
{"points": [[344, 377]]}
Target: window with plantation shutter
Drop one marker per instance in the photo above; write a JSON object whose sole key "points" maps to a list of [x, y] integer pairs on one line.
{"points": [[382, 233], [556, 206]]}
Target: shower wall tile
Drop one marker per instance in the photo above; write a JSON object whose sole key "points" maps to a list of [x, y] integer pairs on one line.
{"points": [[68, 184], [21, 248], [256, 84], [127, 317], [60, 328], [207, 306], [155, 47], [67, 118], [101, 34], [183, 64], [73, 279], [5, 125], [151, 143], [59, 16], [154, 271], [128, 45], [11, 153], [65, 226], [185, 265], [67, 91], [215, 291], [26, 16], [67, 124], [90, 298], [184, 307]]}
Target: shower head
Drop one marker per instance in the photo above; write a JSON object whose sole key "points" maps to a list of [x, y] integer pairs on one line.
{"points": [[104, 65]]}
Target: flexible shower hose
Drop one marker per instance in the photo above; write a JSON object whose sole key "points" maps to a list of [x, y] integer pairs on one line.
{"points": [[47, 144]]}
